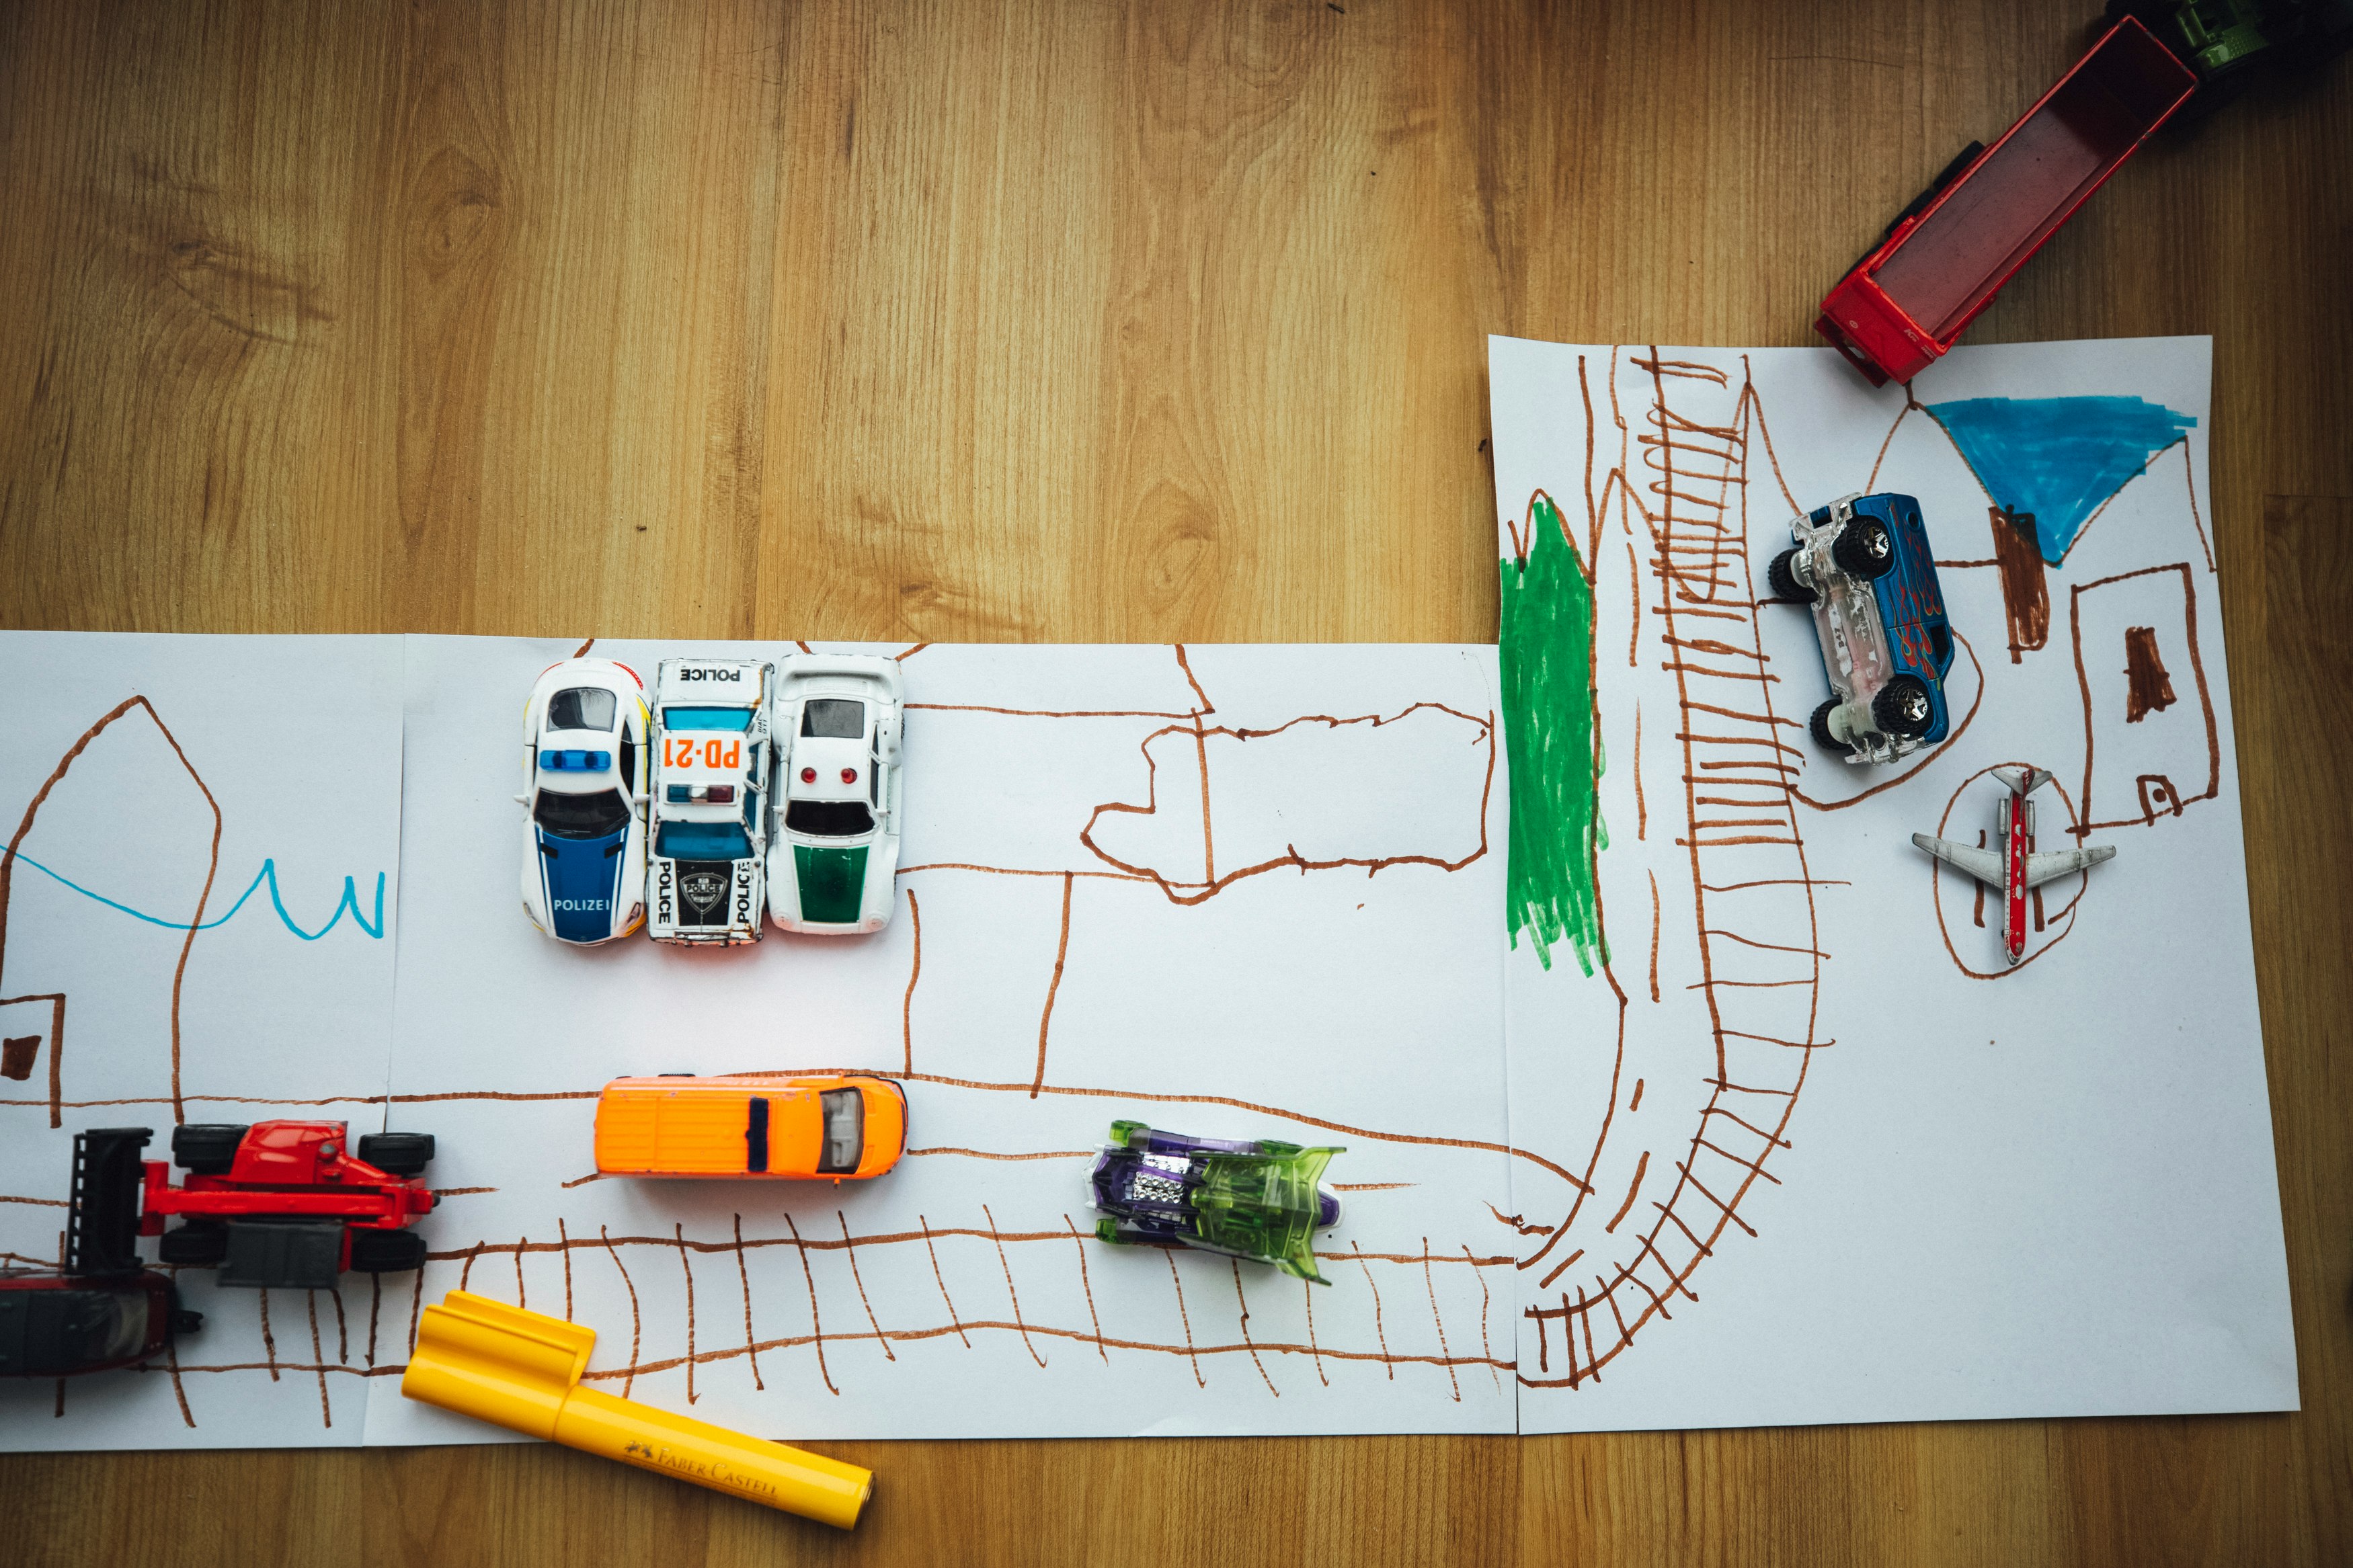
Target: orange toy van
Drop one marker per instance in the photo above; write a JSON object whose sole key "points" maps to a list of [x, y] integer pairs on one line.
{"points": [[778, 1126]]}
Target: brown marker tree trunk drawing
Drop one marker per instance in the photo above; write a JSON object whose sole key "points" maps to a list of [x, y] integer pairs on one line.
{"points": [[2025, 594], [2148, 688]]}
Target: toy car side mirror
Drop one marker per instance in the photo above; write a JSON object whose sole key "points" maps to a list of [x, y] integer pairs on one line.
{"points": [[522, 800]]}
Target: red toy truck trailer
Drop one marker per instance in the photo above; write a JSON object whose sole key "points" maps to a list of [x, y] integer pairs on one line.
{"points": [[1904, 304], [281, 1204]]}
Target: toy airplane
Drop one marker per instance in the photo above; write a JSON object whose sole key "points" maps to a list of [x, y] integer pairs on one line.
{"points": [[2013, 869]]}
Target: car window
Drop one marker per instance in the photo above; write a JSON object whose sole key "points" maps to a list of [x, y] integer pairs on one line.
{"points": [[629, 759], [845, 1132], [828, 818], [582, 708], [596, 815], [702, 841], [706, 718], [833, 719]]}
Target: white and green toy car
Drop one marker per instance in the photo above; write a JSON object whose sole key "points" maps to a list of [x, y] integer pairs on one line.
{"points": [[833, 865], [705, 878]]}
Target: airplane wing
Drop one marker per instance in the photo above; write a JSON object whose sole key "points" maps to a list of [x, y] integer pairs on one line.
{"points": [[2050, 863], [1985, 864]]}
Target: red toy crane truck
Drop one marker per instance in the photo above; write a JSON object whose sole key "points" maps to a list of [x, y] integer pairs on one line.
{"points": [[286, 1204]]}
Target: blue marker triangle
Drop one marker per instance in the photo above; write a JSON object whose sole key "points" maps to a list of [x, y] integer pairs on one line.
{"points": [[2058, 458]]}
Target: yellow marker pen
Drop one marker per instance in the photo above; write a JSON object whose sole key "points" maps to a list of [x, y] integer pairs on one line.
{"points": [[521, 1370]]}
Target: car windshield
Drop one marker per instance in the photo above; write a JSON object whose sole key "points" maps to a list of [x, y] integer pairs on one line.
{"points": [[845, 1132], [834, 719], [581, 707], [828, 818], [702, 841], [597, 816], [706, 718]]}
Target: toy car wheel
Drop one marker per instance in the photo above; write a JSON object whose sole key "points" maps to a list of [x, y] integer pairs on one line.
{"points": [[400, 1154], [199, 1243], [386, 1251], [1819, 726], [209, 1149], [1903, 708], [1783, 578], [1864, 549]]}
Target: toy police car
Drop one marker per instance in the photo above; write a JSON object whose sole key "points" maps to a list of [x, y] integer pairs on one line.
{"points": [[583, 778], [705, 881], [835, 861], [1864, 564]]}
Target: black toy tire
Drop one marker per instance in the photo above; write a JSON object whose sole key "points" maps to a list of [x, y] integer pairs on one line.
{"points": [[199, 1243], [1783, 581], [385, 1251], [1903, 707], [1819, 726], [1864, 549], [401, 1153], [207, 1149]]}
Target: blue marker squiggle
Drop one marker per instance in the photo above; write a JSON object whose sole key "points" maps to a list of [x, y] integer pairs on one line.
{"points": [[268, 873]]}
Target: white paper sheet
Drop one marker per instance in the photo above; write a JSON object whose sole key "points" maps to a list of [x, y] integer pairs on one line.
{"points": [[282, 993], [1904, 1183]]}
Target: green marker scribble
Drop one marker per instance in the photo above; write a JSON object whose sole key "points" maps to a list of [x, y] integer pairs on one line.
{"points": [[1553, 746]]}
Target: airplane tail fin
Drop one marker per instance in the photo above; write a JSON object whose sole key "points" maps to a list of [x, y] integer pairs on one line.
{"points": [[2024, 780]]}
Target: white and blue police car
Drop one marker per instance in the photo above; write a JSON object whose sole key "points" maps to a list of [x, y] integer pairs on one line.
{"points": [[706, 876], [584, 783]]}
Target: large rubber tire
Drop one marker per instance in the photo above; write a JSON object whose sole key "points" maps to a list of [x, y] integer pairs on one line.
{"points": [[401, 1153], [1864, 549], [207, 1148], [1819, 726], [385, 1251], [1783, 581], [1903, 707], [199, 1244]]}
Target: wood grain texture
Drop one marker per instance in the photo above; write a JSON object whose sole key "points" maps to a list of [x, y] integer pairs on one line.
{"points": [[1106, 321]]}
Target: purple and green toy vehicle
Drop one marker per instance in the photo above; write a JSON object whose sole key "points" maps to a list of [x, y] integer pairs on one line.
{"points": [[1251, 1198]]}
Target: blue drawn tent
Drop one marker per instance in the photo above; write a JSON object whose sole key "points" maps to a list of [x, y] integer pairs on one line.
{"points": [[2058, 458]]}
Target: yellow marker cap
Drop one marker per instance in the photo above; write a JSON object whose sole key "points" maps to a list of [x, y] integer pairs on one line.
{"points": [[521, 1370]]}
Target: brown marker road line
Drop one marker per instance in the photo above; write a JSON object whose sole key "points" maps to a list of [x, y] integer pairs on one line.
{"points": [[269, 1340], [521, 1302], [1642, 809], [1375, 1188], [1061, 951], [1047, 712], [901, 657], [1186, 1318], [1635, 1103], [583, 1181], [817, 1327], [319, 1354], [582, 651], [985, 1154], [2190, 476], [172, 1362], [1314, 1351], [1029, 872], [1569, 1341], [1756, 1165], [44, 1203], [1010, 1293], [743, 1276], [343, 1332], [417, 1311], [1559, 1268], [1654, 936], [1585, 1311], [941, 1279], [1242, 1302], [915, 971], [1733, 1116], [1518, 1223], [686, 1266], [375, 1307], [1378, 1331], [564, 1241], [1185, 665], [1486, 1346], [804, 646], [1625, 1334], [466, 1274], [636, 1321], [1430, 1284], [1087, 1285], [1872, 484], [1632, 1187], [1767, 946]]}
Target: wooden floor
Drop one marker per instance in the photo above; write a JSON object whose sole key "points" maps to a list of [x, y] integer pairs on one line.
{"points": [[996, 321]]}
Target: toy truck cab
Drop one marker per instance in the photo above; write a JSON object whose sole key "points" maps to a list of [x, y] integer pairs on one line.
{"points": [[1864, 564], [705, 880], [104, 1307]]}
